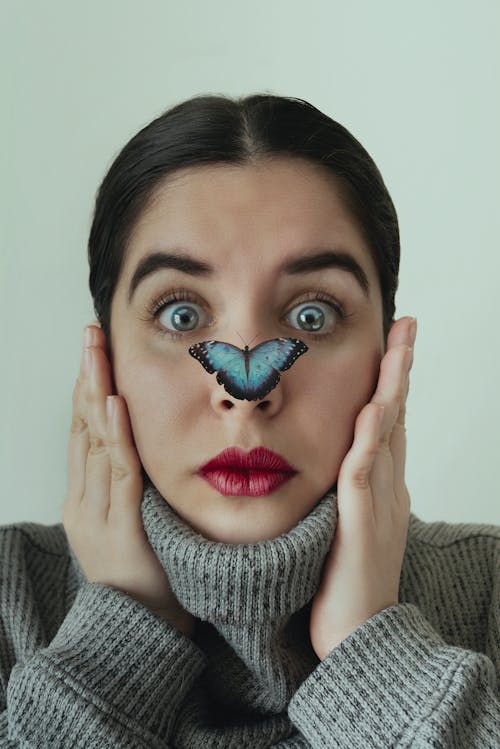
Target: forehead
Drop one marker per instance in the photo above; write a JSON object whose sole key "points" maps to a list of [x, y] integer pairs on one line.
{"points": [[263, 212]]}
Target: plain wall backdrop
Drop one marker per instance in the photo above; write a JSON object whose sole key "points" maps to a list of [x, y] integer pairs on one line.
{"points": [[416, 83]]}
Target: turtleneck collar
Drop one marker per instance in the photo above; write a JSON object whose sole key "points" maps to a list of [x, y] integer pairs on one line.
{"points": [[240, 584], [250, 602]]}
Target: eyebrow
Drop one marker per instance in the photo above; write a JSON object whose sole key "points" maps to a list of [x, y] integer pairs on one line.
{"points": [[184, 263]]}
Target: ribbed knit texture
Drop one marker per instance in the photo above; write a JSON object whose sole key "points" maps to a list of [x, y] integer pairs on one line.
{"points": [[245, 596], [85, 665]]}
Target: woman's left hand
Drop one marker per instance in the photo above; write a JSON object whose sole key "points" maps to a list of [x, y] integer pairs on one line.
{"points": [[363, 567]]}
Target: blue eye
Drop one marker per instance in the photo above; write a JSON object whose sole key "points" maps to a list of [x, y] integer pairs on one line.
{"points": [[314, 317], [182, 317], [178, 313]]}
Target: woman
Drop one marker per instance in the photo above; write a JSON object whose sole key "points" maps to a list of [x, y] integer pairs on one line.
{"points": [[237, 564]]}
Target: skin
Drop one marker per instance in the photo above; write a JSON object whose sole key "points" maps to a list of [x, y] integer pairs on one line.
{"points": [[171, 416]]}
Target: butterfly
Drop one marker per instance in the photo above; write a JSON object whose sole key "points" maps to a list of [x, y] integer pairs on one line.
{"points": [[248, 374]]}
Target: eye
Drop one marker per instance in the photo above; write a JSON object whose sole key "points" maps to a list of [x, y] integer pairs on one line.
{"points": [[181, 317], [315, 316]]}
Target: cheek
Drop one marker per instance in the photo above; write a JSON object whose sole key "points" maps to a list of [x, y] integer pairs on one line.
{"points": [[159, 397], [347, 381], [333, 398]]}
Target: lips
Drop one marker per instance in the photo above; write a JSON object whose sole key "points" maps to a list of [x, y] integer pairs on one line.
{"points": [[253, 474], [258, 459]]}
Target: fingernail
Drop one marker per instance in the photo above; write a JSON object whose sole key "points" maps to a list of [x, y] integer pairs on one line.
{"points": [[413, 330]]}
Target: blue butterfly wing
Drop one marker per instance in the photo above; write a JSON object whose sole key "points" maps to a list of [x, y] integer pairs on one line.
{"points": [[280, 353], [214, 355], [261, 379], [227, 360], [265, 362]]}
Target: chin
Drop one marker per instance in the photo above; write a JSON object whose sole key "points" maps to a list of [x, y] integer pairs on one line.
{"points": [[241, 519], [246, 520]]}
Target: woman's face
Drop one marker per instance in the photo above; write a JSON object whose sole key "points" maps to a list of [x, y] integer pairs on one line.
{"points": [[245, 224]]}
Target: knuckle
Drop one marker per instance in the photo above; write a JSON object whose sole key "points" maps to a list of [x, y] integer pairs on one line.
{"points": [[78, 424], [361, 477], [119, 472], [97, 445], [384, 447]]}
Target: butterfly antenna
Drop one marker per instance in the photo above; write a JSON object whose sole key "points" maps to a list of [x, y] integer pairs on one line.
{"points": [[253, 339]]}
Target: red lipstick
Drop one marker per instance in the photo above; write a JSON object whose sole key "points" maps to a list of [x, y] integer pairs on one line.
{"points": [[254, 474]]}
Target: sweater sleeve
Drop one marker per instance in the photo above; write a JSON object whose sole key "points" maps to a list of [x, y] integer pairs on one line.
{"points": [[394, 682], [114, 675]]}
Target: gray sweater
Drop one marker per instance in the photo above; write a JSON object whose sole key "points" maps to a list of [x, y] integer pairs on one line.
{"points": [[85, 665]]}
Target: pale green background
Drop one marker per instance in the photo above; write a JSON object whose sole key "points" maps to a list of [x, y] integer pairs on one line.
{"points": [[417, 83]]}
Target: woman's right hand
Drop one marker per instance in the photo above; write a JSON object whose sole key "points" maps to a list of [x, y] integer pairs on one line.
{"points": [[102, 511]]}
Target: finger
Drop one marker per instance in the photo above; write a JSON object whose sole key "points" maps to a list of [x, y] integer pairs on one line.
{"points": [[354, 489], [387, 476], [126, 475], [97, 471], [398, 452], [402, 331], [76, 456], [390, 393], [398, 445], [391, 384], [98, 337], [78, 443], [96, 389]]}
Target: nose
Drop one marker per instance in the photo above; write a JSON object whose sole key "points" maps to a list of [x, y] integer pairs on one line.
{"points": [[222, 402]]}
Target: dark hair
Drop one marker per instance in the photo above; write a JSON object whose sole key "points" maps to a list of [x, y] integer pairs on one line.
{"points": [[213, 129]]}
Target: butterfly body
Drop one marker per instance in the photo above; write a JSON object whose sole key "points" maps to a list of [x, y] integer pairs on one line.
{"points": [[248, 374], [246, 354]]}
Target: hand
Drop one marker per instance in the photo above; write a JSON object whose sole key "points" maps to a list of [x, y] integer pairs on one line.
{"points": [[102, 511], [363, 567]]}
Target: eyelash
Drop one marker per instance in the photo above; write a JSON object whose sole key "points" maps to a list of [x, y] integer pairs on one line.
{"points": [[156, 307]]}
